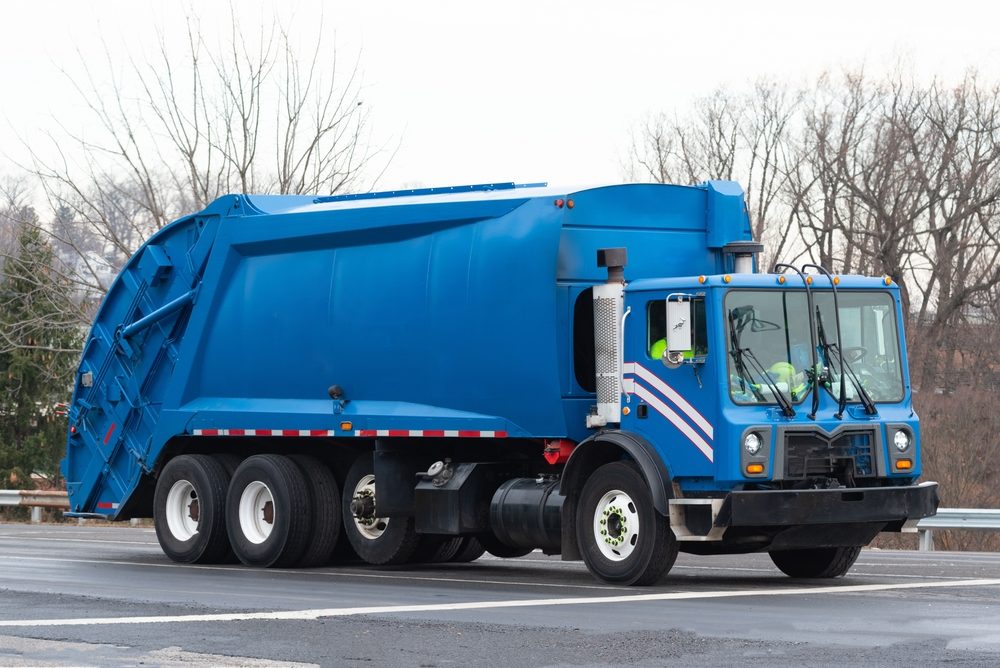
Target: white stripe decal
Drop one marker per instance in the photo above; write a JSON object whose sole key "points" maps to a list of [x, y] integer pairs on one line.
{"points": [[671, 394], [643, 393]]}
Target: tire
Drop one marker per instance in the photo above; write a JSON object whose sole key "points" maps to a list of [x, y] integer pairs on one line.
{"points": [[379, 541], [820, 562], [268, 512], [324, 497], [469, 550], [189, 510], [501, 550], [616, 505], [436, 549]]}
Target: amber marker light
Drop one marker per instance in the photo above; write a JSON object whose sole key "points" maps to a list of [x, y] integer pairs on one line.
{"points": [[904, 464], [753, 469], [626, 410], [836, 280], [809, 280], [887, 280], [346, 426], [781, 280], [570, 204], [727, 278], [702, 279]]}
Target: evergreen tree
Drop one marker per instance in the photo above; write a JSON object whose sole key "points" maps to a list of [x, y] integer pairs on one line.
{"points": [[38, 349]]}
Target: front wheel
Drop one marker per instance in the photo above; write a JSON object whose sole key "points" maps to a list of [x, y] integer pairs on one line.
{"points": [[820, 562], [622, 538]]}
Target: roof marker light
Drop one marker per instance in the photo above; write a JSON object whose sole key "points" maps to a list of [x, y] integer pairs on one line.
{"points": [[570, 204], [836, 280], [809, 280], [887, 280], [781, 280], [559, 203], [727, 278], [702, 279]]}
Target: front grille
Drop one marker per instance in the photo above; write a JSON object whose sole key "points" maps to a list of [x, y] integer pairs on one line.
{"points": [[814, 454]]}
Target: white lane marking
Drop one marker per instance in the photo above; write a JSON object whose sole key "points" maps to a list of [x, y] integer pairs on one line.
{"points": [[309, 615], [345, 574], [86, 540]]}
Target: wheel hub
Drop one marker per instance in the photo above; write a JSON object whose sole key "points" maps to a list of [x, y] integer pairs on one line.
{"points": [[616, 525], [182, 510], [363, 509]]}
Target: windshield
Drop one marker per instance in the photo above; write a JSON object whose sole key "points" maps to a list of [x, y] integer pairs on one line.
{"points": [[773, 325]]}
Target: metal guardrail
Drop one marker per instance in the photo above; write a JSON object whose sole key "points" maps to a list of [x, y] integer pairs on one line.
{"points": [[956, 518], [946, 518], [35, 499]]}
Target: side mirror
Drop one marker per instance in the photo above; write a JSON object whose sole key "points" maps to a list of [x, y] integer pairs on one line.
{"points": [[678, 330]]}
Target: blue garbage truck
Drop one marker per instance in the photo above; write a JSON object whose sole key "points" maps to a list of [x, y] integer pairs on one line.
{"points": [[603, 373]]}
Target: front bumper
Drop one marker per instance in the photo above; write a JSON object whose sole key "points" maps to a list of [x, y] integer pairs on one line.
{"points": [[891, 506]]}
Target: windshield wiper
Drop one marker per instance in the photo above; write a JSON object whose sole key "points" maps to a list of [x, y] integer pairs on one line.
{"points": [[866, 399], [742, 355], [737, 353]]}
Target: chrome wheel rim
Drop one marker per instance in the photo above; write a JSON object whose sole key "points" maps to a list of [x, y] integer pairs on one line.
{"points": [[369, 528], [616, 525]]}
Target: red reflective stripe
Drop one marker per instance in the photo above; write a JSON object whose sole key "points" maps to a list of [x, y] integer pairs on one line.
{"points": [[434, 432], [105, 505], [111, 430], [237, 432], [367, 432], [399, 432], [500, 434], [288, 432], [319, 432], [469, 434]]}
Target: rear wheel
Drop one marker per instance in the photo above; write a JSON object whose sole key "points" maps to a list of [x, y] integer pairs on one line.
{"points": [[324, 495], [377, 540], [622, 538], [269, 511], [189, 510], [820, 562], [469, 550]]}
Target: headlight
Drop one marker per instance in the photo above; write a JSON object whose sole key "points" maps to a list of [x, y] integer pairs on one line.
{"points": [[901, 440], [751, 443]]}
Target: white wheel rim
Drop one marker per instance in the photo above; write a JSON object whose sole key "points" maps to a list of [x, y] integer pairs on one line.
{"points": [[183, 510], [257, 512], [369, 528], [616, 525]]}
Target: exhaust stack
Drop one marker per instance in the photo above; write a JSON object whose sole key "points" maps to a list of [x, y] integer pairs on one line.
{"points": [[608, 313]]}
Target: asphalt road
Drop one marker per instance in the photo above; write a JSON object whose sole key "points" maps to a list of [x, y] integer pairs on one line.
{"points": [[105, 595]]}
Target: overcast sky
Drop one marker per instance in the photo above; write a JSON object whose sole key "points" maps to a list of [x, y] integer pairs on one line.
{"points": [[474, 92]]}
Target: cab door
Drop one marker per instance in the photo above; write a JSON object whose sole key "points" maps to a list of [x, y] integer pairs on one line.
{"points": [[669, 382]]}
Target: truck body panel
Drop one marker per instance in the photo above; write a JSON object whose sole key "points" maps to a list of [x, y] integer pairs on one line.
{"points": [[438, 313]]}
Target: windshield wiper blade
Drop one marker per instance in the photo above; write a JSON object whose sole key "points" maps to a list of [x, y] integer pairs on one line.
{"points": [[737, 353], [779, 396], [866, 399]]}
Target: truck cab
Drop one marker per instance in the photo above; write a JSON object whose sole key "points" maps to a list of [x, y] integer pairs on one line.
{"points": [[778, 406]]}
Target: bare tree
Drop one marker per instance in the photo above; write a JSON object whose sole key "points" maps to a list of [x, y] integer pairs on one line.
{"points": [[728, 136], [258, 112]]}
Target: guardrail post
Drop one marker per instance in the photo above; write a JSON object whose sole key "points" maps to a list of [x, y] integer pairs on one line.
{"points": [[926, 540], [36, 515]]}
